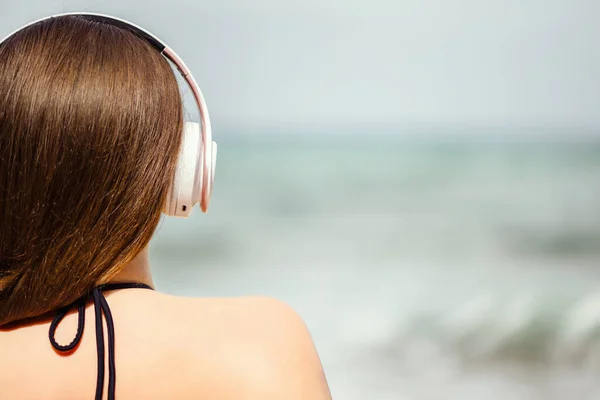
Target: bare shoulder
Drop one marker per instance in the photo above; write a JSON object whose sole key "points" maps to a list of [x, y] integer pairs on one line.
{"points": [[250, 348]]}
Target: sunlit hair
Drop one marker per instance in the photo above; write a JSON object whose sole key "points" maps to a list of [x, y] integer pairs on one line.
{"points": [[90, 128]]}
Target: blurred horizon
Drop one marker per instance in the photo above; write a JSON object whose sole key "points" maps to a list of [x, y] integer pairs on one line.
{"points": [[424, 131]]}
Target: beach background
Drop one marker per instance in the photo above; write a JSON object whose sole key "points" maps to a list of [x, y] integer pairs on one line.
{"points": [[419, 179], [443, 269]]}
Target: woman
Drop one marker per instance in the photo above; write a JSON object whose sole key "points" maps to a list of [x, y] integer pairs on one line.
{"points": [[90, 133]]}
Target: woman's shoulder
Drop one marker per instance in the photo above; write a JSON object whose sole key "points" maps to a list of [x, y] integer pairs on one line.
{"points": [[241, 348]]}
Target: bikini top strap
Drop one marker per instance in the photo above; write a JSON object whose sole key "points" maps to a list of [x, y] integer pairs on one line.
{"points": [[100, 307]]}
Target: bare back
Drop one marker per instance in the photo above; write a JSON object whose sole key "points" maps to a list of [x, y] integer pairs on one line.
{"points": [[170, 347]]}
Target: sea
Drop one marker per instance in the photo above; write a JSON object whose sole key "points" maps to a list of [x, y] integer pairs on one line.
{"points": [[427, 265]]}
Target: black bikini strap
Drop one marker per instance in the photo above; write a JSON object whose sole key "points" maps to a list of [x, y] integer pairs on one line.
{"points": [[100, 307], [125, 285]]}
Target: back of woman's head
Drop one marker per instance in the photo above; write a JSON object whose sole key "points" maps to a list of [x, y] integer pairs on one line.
{"points": [[90, 128]]}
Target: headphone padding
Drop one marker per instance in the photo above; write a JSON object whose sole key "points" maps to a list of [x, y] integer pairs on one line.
{"points": [[182, 195]]}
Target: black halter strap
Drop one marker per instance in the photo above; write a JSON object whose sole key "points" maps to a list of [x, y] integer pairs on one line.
{"points": [[100, 307]]}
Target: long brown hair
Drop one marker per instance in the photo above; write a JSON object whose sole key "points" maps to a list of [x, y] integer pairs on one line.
{"points": [[90, 128]]}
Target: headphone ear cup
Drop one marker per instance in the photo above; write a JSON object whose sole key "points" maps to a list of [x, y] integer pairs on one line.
{"points": [[187, 182], [169, 207], [211, 178]]}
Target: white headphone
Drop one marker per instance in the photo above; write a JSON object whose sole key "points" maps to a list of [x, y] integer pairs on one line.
{"points": [[195, 170]]}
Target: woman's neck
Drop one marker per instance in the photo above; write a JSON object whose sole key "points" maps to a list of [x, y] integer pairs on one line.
{"points": [[138, 270]]}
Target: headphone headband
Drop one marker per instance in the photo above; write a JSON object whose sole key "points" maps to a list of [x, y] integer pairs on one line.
{"points": [[206, 131]]}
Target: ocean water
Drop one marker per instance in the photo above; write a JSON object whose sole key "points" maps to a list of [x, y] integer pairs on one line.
{"points": [[426, 267]]}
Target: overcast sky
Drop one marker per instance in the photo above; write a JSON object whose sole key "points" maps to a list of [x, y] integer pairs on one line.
{"points": [[338, 63]]}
